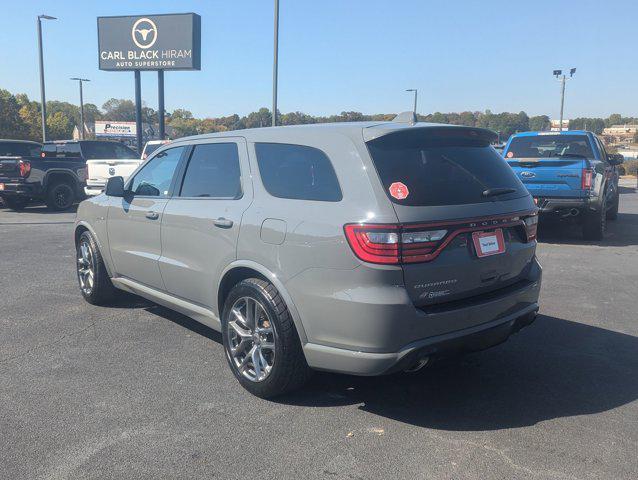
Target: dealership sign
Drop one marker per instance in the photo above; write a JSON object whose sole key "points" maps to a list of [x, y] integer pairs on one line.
{"points": [[115, 129], [150, 42]]}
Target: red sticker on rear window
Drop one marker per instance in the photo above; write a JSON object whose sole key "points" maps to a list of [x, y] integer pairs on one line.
{"points": [[510, 154], [399, 190]]}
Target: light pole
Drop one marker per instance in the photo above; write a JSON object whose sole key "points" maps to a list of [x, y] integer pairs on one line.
{"points": [[275, 66], [80, 80], [43, 110], [563, 79], [415, 94]]}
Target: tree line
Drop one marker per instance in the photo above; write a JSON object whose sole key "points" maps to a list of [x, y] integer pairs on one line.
{"points": [[20, 119]]}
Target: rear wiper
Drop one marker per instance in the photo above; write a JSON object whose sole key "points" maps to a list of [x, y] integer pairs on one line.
{"points": [[492, 192]]}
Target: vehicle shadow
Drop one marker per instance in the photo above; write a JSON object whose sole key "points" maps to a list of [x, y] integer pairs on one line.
{"points": [[41, 209], [620, 232], [554, 368]]}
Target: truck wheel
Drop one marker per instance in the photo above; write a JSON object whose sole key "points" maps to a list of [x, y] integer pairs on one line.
{"points": [[15, 203], [612, 213], [260, 340], [93, 279], [595, 223], [60, 196]]}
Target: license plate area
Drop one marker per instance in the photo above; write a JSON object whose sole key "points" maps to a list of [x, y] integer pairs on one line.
{"points": [[489, 243]]}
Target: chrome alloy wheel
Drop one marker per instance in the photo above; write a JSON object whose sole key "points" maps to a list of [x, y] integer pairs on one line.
{"points": [[86, 267], [251, 339]]}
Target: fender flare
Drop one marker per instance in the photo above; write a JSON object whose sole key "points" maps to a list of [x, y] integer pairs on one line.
{"points": [[105, 258], [272, 278]]}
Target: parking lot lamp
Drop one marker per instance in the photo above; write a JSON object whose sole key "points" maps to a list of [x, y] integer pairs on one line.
{"points": [[43, 110], [563, 79], [80, 80]]}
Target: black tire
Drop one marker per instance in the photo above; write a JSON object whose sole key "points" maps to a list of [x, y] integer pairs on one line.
{"points": [[102, 291], [595, 223], [289, 370], [60, 196], [15, 203], [612, 213]]}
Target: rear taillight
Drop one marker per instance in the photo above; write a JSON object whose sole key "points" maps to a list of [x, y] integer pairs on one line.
{"points": [[392, 244], [25, 168], [531, 226], [586, 179]]}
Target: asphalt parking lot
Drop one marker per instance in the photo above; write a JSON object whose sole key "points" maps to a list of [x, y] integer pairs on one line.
{"points": [[137, 391]]}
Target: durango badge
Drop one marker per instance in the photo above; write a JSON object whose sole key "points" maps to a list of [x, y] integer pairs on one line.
{"points": [[399, 190]]}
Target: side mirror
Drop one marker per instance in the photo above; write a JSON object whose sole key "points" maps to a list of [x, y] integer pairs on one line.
{"points": [[115, 187], [616, 158]]}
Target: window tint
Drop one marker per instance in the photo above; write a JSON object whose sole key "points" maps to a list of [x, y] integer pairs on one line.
{"points": [[549, 146], [213, 171], [154, 179], [19, 149], [297, 172], [62, 150], [106, 150], [442, 167]]}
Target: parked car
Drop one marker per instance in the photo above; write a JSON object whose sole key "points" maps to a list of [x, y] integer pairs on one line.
{"points": [[15, 167], [104, 160], [151, 146], [360, 248], [570, 174]]}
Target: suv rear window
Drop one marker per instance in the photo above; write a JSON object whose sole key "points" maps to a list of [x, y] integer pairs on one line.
{"points": [[19, 149], [106, 150], [71, 149], [448, 166], [550, 146], [297, 172]]}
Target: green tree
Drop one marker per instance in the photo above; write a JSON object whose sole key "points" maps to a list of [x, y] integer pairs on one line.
{"points": [[539, 123], [11, 123], [119, 109], [59, 126]]}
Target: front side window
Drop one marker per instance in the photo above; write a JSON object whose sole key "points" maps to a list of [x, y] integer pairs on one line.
{"points": [[297, 172], [213, 171], [154, 179], [550, 146]]}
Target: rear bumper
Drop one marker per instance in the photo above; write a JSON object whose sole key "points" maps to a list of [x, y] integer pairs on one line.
{"points": [[12, 188], [376, 330], [92, 190], [558, 204], [472, 339]]}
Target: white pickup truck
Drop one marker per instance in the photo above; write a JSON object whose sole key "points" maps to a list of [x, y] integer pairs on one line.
{"points": [[105, 160]]}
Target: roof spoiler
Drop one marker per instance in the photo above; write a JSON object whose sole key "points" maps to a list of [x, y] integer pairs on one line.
{"points": [[406, 117]]}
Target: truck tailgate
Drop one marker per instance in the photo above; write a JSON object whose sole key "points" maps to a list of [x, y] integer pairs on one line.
{"points": [[99, 171], [550, 177]]}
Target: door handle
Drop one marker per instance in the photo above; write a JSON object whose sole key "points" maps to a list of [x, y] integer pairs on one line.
{"points": [[152, 215], [223, 222]]}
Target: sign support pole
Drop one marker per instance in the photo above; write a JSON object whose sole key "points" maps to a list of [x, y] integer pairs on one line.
{"points": [[138, 110], [160, 104]]}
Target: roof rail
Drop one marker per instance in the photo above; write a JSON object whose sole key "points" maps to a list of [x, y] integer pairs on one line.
{"points": [[405, 117]]}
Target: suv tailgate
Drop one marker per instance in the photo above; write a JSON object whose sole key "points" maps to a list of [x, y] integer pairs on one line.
{"points": [[446, 173]]}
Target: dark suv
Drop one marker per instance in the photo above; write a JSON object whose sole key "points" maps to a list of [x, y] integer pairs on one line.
{"points": [[361, 248]]}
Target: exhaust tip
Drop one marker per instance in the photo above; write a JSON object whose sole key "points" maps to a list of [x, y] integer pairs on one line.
{"points": [[418, 365]]}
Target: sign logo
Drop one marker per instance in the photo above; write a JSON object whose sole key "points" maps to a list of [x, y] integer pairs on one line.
{"points": [[528, 174], [111, 171], [144, 33]]}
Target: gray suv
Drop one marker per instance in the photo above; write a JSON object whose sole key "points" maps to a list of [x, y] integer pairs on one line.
{"points": [[360, 248]]}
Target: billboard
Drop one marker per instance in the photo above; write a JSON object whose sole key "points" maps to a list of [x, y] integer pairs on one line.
{"points": [[115, 129], [150, 42]]}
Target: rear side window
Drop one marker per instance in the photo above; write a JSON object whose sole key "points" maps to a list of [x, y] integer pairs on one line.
{"points": [[213, 171], [442, 167], [550, 146], [298, 172], [19, 149]]}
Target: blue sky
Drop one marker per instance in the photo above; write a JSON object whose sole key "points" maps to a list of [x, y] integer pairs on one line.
{"points": [[358, 55]]}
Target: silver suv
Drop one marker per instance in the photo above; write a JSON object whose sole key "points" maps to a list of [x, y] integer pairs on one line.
{"points": [[360, 248]]}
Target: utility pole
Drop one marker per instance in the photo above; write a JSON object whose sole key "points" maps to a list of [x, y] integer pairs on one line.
{"points": [[415, 96], [43, 109], [563, 79], [275, 66], [80, 80]]}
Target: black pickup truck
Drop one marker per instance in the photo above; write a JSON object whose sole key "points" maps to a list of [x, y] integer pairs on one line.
{"points": [[53, 173]]}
